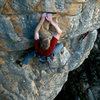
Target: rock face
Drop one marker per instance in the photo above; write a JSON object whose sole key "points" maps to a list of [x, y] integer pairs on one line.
{"points": [[18, 20], [84, 82]]}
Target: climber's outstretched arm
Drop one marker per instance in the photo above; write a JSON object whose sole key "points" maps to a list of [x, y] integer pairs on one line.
{"points": [[59, 31], [36, 34]]}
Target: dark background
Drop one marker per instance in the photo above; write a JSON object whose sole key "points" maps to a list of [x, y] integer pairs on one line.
{"points": [[84, 82]]}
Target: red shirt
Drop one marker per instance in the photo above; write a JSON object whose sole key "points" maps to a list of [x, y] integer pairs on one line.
{"points": [[47, 52]]}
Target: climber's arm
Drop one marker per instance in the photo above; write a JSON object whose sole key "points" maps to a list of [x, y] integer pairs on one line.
{"points": [[36, 34], [59, 31]]}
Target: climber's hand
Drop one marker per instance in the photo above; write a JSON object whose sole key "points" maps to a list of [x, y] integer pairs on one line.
{"points": [[43, 15], [49, 17]]}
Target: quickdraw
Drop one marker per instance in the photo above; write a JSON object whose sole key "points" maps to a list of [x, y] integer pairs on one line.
{"points": [[84, 36]]}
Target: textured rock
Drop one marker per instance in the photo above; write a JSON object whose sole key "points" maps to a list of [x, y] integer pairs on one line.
{"points": [[2, 61], [84, 82], [18, 20]]}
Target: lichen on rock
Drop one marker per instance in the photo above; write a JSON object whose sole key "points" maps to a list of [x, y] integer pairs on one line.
{"points": [[18, 20]]}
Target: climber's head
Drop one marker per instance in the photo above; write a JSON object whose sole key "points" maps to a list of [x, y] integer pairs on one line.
{"points": [[45, 43]]}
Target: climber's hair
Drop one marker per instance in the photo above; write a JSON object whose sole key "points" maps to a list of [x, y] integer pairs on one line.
{"points": [[44, 44]]}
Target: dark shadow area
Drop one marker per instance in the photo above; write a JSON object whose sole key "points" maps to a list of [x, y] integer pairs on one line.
{"points": [[84, 82]]}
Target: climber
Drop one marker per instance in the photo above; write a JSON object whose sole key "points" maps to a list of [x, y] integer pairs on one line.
{"points": [[44, 47]]}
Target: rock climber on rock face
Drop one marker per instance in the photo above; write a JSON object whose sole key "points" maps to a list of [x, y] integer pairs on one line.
{"points": [[44, 47]]}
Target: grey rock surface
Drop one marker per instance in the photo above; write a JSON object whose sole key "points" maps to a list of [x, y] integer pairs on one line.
{"points": [[84, 82], [18, 20]]}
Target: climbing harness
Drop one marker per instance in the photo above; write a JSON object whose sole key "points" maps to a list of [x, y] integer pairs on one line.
{"points": [[43, 59], [48, 59]]}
